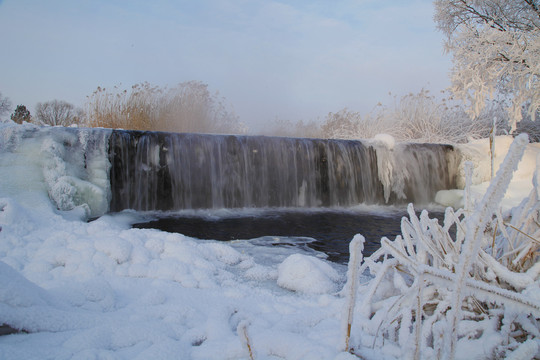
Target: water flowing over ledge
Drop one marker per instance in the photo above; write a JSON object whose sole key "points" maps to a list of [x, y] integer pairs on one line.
{"points": [[162, 171], [112, 170]]}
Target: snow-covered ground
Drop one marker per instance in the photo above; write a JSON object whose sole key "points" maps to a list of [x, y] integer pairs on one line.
{"points": [[101, 290]]}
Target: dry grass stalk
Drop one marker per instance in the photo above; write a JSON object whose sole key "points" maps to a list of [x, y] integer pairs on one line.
{"points": [[243, 333], [188, 107]]}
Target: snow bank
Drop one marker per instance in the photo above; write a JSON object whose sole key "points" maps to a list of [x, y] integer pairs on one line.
{"points": [[477, 152], [17, 291]]}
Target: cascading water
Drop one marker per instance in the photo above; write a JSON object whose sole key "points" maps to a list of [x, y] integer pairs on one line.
{"points": [[163, 171]]}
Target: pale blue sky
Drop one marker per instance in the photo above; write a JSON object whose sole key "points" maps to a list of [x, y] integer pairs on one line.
{"points": [[286, 59]]}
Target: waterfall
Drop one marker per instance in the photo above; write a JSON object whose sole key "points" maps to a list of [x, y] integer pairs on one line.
{"points": [[99, 170], [166, 171]]}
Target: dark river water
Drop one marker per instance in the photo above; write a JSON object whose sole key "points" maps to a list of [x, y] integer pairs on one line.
{"points": [[330, 229]]}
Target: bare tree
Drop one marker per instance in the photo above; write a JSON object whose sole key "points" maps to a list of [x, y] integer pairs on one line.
{"points": [[57, 113], [496, 47], [5, 106]]}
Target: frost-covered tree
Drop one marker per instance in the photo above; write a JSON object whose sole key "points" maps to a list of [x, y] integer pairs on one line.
{"points": [[5, 106], [57, 112], [496, 47], [21, 114]]}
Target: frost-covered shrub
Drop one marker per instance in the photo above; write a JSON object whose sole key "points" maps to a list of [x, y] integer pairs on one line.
{"points": [[347, 124], [418, 117], [469, 288], [531, 128]]}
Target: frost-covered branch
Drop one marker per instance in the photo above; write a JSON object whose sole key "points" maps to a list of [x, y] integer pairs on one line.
{"points": [[351, 287]]}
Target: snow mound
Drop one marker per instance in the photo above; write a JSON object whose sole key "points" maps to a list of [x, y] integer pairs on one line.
{"points": [[307, 274], [17, 291], [477, 152], [387, 140]]}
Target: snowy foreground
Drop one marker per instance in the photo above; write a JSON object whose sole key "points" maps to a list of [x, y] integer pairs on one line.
{"points": [[100, 290]]}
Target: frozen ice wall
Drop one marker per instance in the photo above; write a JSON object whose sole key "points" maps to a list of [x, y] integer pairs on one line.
{"points": [[69, 166]]}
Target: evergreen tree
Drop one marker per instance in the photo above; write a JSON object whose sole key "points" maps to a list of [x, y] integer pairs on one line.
{"points": [[21, 114]]}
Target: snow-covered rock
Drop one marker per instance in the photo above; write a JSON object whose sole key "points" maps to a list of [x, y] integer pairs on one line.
{"points": [[307, 274]]}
